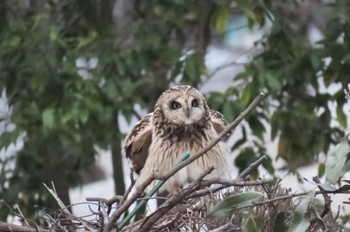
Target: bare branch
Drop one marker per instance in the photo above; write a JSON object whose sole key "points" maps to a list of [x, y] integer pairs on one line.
{"points": [[227, 227], [251, 168], [326, 197], [232, 63], [132, 183], [224, 183]]}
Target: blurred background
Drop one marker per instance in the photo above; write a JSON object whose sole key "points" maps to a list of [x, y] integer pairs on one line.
{"points": [[76, 75]]}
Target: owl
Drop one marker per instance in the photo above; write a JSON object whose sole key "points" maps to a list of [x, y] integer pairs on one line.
{"points": [[181, 121]]}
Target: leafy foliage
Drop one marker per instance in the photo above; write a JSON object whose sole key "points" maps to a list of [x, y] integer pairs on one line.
{"points": [[224, 208], [337, 163], [299, 222], [295, 72]]}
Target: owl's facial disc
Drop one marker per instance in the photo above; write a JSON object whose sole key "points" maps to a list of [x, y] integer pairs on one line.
{"points": [[186, 110]]}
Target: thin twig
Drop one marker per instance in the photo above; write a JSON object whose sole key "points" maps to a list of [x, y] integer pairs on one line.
{"points": [[172, 221], [225, 183], [229, 182], [227, 227], [326, 197], [58, 200], [107, 202], [251, 168], [132, 183], [232, 63], [20, 212]]}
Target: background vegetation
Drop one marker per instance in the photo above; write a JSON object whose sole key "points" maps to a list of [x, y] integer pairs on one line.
{"points": [[69, 69]]}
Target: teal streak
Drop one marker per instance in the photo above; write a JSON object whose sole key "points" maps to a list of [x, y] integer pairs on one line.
{"points": [[159, 184]]}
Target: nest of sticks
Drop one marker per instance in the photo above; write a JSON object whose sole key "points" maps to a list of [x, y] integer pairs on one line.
{"points": [[190, 213]]}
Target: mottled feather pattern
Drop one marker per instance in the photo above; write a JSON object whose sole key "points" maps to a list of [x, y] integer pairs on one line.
{"points": [[219, 122], [182, 121], [135, 143], [165, 129]]}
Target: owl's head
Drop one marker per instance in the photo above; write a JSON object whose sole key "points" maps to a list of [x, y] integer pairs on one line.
{"points": [[182, 105]]}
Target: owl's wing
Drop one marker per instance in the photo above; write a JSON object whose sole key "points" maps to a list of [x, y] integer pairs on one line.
{"points": [[218, 121], [138, 141]]}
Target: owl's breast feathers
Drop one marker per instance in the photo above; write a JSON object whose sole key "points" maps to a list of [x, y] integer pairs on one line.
{"points": [[167, 149]]}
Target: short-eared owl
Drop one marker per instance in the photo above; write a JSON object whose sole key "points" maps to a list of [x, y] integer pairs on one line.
{"points": [[181, 121]]}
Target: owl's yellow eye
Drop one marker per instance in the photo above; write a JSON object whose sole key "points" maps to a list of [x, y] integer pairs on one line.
{"points": [[175, 105], [194, 103]]}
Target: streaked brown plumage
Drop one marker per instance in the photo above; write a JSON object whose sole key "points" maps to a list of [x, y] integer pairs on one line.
{"points": [[181, 121]]}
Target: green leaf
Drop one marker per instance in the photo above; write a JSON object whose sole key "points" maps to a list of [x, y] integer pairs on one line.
{"points": [[344, 188], [272, 82], [327, 187], [319, 219], [256, 126], [246, 8], [14, 41], [279, 223], [241, 141], [336, 160], [282, 146], [9, 137], [253, 224], [267, 164], [228, 111], [48, 118], [245, 158], [315, 61], [55, 36], [84, 115], [222, 19], [87, 40], [330, 188], [341, 117], [299, 223], [224, 208], [246, 95], [111, 90], [238, 143], [346, 167], [53, 33], [321, 170]]}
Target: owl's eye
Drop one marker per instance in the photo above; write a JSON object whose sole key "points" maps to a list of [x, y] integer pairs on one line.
{"points": [[194, 103], [175, 105]]}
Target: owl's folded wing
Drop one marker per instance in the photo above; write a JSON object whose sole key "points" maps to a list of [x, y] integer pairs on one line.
{"points": [[219, 122], [137, 142]]}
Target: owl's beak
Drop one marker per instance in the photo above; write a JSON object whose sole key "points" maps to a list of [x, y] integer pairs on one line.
{"points": [[187, 112]]}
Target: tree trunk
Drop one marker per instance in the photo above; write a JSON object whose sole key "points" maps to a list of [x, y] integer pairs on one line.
{"points": [[118, 174]]}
